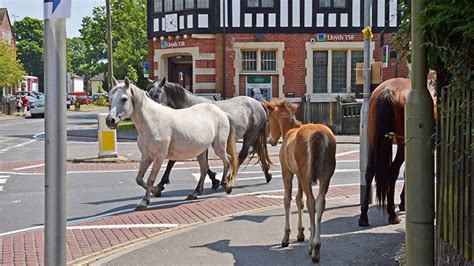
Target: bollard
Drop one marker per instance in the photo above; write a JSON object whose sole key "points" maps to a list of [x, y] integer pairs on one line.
{"points": [[107, 139]]}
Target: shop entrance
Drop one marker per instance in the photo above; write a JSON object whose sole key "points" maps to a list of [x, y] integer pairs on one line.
{"points": [[180, 70]]}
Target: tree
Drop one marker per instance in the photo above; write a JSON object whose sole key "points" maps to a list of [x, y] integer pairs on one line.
{"points": [[29, 43], [11, 71], [129, 38]]}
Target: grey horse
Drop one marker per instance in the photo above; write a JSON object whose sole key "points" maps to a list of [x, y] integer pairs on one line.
{"points": [[248, 116]]}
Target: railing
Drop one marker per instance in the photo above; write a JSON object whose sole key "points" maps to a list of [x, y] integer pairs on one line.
{"points": [[455, 184]]}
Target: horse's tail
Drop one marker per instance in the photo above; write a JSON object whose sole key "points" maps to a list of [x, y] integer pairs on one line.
{"points": [[318, 147], [260, 147], [382, 152], [234, 161]]}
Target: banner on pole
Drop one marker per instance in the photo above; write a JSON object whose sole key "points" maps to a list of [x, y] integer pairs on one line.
{"points": [[385, 56], [56, 9]]}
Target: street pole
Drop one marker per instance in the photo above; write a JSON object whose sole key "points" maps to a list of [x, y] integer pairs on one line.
{"points": [[109, 43], [419, 158], [55, 142], [364, 121]]}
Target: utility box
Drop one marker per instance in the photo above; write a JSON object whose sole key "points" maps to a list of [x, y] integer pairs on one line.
{"points": [[375, 73], [107, 139]]}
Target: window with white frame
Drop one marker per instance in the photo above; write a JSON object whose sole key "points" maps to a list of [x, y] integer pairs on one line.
{"points": [[168, 5], [333, 3], [334, 70], [178, 5], [158, 6], [7, 37], [202, 3], [260, 3], [259, 60]]}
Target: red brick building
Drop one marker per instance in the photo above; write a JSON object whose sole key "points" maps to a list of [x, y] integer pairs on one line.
{"points": [[282, 46], [6, 32]]}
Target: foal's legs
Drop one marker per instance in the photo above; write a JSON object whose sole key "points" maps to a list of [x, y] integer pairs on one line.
{"points": [[287, 184], [394, 171], [300, 205], [149, 184], [320, 207], [202, 160], [310, 204]]}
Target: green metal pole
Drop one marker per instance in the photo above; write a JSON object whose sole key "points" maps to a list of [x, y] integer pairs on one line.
{"points": [[419, 158]]}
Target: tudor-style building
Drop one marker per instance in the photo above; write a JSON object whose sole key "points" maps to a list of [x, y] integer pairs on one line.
{"points": [[283, 46]]}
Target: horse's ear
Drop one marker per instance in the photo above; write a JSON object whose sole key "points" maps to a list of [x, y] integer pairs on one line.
{"points": [[127, 82], [114, 81], [162, 83], [267, 105], [294, 106]]}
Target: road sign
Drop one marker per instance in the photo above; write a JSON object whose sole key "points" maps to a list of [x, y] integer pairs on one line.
{"points": [[385, 56], [55, 9], [146, 70]]}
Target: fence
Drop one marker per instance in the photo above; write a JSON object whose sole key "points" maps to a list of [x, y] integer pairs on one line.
{"points": [[455, 185], [342, 118]]}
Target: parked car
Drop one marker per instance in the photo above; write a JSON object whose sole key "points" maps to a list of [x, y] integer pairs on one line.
{"points": [[96, 96], [84, 100], [37, 108]]}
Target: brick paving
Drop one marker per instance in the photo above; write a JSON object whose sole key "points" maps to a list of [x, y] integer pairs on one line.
{"points": [[89, 244]]}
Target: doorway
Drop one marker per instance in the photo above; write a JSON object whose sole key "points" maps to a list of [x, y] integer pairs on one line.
{"points": [[180, 70]]}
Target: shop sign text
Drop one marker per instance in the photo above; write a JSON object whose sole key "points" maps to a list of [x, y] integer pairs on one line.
{"points": [[175, 44], [322, 37]]}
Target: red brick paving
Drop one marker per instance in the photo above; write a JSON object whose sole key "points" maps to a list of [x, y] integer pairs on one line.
{"points": [[27, 247]]}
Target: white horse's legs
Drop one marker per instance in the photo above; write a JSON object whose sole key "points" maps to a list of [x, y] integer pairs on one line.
{"points": [[300, 205], [149, 184], [144, 164], [287, 184], [203, 165]]}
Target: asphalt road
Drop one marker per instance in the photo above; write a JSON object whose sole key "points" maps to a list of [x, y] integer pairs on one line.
{"points": [[95, 193]]}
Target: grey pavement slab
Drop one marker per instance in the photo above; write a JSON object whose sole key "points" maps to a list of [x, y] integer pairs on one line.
{"points": [[254, 239]]}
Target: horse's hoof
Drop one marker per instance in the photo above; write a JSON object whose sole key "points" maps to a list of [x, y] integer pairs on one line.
{"points": [[192, 197], [285, 244], [315, 259], [156, 191], [215, 184], [268, 177], [228, 189], [363, 220], [300, 237], [315, 256], [393, 219], [401, 207], [141, 208]]}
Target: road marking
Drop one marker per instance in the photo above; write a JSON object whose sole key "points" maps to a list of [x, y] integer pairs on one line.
{"points": [[2, 181], [29, 167], [1, 188], [346, 153], [270, 196], [120, 226]]}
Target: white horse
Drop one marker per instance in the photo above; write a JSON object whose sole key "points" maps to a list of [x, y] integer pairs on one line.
{"points": [[165, 133]]}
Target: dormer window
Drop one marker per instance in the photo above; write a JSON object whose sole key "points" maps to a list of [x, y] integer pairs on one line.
{"points": [[333, 3], [260, 3]]}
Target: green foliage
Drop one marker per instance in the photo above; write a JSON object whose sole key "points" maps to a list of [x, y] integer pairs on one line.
{"points": [[129, 38], [29, 44], [11, 71], [102, 101], [132, 74], [100, 89]]}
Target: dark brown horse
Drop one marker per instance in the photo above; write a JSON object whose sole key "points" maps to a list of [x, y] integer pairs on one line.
{"points": [[387, 117]]}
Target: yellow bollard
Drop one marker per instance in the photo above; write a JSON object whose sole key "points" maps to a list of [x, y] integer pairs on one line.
{"points": [[107, 139]]}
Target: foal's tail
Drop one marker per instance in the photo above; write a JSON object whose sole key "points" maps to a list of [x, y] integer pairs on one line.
{"points": [[234, 161], [322, 155], [382, 152]]}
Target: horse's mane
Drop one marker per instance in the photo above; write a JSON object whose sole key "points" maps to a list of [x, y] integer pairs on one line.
{"points": [[284, 104], [176, 94]]}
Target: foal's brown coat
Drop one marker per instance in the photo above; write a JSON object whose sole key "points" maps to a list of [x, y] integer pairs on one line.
{"points": [[309, 151]]}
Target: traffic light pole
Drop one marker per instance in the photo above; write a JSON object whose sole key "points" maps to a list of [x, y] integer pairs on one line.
{"points": [[419, 157]]}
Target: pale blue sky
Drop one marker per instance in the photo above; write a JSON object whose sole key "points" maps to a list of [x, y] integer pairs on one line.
{"points": [[34, 9]]}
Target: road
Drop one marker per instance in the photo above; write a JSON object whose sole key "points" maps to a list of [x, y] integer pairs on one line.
{"points": [[93, 193]]}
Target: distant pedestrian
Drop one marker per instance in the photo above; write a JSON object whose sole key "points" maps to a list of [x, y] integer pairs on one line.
{"points": [[18, 104], [25, 105], [257, 94]]}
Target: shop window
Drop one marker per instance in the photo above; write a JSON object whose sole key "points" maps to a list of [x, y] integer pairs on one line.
{"points": [[260, 3], [189, 4], [178, 5], [158, 6], [320, 72], [168, 5], [357, 57], [202, 3], [249, 60], [268, 59], [333, 3], [339, 72]]}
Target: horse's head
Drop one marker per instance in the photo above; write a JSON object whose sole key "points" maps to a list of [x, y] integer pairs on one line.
{"points": [[157, 93], [121, 105], [280, 113]]}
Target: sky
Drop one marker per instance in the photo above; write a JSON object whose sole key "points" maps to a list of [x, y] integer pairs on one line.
{"points": [[18, 9]]}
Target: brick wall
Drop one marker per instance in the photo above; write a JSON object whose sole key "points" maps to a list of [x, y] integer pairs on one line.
{"points": [[294, 57]]}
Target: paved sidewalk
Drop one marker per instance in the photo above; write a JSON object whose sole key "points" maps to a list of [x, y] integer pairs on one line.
{"points": [[91, 241]]}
